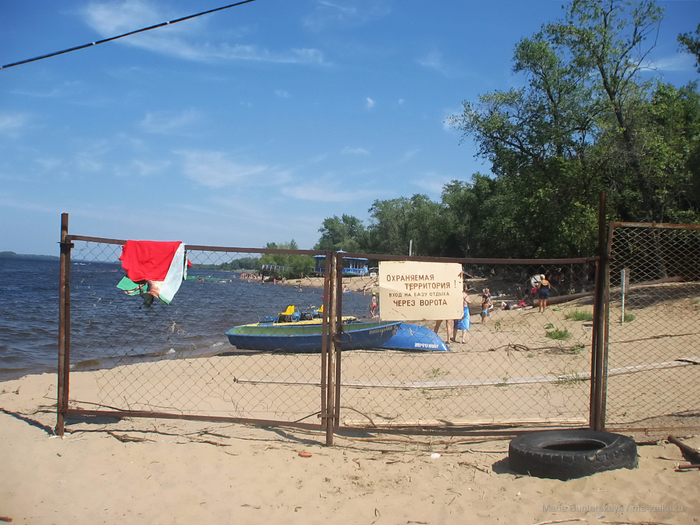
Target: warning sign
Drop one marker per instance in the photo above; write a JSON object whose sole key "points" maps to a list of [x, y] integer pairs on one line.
{"points": [[410, 290]]}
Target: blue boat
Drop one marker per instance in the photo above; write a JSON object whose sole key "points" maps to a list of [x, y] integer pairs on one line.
{"points": [[307, 337], [416, 337]]}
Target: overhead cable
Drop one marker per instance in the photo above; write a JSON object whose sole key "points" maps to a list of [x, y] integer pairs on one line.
{"points": [[125, 34]]}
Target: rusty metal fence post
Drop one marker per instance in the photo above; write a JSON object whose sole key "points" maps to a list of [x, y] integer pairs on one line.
{"points": [[329, 309], [338, 324], [599, 339], [325, 415], [63, 328]]}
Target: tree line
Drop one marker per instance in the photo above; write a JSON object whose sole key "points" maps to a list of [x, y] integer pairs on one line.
{"points": [[584, 121]]}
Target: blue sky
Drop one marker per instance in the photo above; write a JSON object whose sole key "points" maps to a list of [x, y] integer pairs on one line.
{"points": [[253, 124]]}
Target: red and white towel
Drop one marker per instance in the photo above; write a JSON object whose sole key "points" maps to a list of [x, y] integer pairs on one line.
{"points": [[160, 264]]}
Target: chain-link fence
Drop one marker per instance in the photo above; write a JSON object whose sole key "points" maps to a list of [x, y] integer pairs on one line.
{"points": [[654, 327], [215, 350], [129, 352], [514, 365], [250, 336]]}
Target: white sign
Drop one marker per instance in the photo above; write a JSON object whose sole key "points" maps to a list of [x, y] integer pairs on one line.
{"points": [[625, 279], [410, 290]]}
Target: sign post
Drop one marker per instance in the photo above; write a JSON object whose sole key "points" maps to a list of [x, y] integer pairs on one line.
{"points": [[625, 280]]}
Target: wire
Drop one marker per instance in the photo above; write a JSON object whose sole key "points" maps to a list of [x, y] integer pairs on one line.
{"points": [[123, 35]]}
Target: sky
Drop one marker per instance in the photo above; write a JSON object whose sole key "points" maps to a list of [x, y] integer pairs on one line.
{"points": [[253, 124]]}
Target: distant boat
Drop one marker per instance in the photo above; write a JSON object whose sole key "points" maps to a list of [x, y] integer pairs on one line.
{"points": [[416, 337], [303, 337]]}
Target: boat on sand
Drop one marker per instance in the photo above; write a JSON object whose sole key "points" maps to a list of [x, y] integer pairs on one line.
{"points": [[307, 337], [416, 337]]}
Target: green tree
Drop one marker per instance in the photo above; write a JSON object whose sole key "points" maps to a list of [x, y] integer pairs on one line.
{"points": [[537, 139], [389, 226], [607, 40], [691, 43], [576, 127], [397, 225], [293, 265], [342, 233]]}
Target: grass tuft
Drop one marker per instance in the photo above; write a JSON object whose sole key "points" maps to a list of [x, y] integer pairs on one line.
{"points": [[579, 315]]}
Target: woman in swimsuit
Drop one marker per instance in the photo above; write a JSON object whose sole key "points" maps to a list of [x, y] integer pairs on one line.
{"points": [[543, 291]]}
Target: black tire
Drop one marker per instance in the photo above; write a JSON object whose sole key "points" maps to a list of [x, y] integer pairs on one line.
{"points": [[568, 454]]}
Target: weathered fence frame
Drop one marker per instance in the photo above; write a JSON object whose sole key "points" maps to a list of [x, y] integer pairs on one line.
{"points": [[331, 357]]}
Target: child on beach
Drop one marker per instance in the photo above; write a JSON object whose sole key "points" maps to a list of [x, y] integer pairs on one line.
{"points": [[486, 305]]}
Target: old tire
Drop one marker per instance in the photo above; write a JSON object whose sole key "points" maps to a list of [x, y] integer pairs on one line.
{"points": [[568, 454]]}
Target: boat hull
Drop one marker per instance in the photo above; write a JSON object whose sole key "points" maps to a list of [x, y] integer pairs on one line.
{"points": [[416, 337], [307, 338]]}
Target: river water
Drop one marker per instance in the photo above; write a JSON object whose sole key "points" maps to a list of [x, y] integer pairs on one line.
{"points": [[108, 326]]}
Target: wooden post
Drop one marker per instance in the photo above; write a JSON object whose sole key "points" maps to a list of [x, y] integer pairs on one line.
{"points": [[63, 328]]}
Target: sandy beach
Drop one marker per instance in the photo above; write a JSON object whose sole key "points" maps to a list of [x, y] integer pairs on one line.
{"points": [[156, 471], [106, 470]]}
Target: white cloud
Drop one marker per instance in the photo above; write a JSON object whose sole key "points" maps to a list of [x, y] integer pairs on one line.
{"points": [[90, 157], [188, 40], [677, 62], [282, 93], [215, 170], [409, 155], [354, 151], [328, 192], [432, 184], [49, 164], [169, 122], [354, 12], [146, 169], [116, 17], [434, 59], [12, 125], [369, 103]]}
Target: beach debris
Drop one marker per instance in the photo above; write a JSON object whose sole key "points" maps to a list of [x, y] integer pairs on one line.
{"points": [[688, 452], [5, 518], [125, 438], [569, 454], [305, 454], [434, 455], [687, 466]]}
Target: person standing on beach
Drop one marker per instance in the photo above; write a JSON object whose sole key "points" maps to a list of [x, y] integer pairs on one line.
{"points": [[373, 305], [486, 305], [543, 291], [463, 323], [450, 324]]}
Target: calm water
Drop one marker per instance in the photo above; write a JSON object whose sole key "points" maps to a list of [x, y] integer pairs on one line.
{"points": [[108, 326]]}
